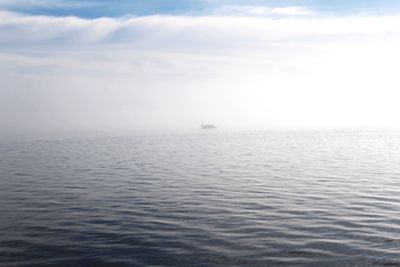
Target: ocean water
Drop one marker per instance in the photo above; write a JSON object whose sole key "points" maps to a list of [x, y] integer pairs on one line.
{"points": [[206, 198]]}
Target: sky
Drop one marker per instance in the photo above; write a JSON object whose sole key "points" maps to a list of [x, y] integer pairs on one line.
{"points": [[99, 65]]}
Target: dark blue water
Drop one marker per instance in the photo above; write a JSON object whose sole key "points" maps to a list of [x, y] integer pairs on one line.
{"points": [[202, 199]]}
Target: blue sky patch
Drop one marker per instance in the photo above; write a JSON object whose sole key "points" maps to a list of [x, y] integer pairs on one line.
{"points": [[116, 8]]}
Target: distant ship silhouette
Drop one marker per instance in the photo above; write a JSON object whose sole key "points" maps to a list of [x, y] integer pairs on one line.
{"points": [[207, 126]]}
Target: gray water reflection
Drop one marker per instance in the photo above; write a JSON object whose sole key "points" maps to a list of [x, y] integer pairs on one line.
{"points": [[202, 199]]}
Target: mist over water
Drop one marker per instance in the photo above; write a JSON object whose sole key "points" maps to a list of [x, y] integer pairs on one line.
{"points": [[103, 162], [204, 198]]}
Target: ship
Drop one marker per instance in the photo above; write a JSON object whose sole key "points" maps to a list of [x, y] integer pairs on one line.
{"points": [[207, 126]]}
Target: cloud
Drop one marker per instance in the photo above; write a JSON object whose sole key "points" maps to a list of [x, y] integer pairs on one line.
{"points": [[160, 71], [190, 33], [250, 10]]}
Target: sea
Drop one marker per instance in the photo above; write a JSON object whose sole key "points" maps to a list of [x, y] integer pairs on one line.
{"points": [[202, 198]]}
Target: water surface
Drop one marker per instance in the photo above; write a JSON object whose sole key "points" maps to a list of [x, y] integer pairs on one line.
{"points": [[202, 199]]}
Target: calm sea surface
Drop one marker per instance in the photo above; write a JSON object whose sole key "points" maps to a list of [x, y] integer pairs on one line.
{"points": [[206, 198]]}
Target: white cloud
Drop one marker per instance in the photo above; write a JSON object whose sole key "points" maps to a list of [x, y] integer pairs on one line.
{"points": [[66, 72], [251, 10], [204, 32]]}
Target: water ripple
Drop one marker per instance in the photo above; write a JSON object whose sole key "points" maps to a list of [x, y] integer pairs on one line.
{"points": [[202, 199]]}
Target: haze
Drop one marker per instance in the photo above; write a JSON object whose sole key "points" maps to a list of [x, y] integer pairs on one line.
{"points": [[257, 65]]}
